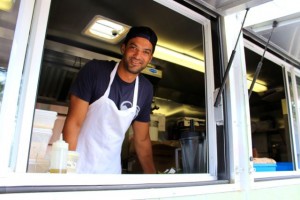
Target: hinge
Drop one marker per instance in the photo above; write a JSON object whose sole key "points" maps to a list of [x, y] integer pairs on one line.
{"points": [[218, 110]]}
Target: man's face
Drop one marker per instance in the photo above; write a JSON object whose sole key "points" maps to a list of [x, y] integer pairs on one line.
{"points": [[137, 53]]}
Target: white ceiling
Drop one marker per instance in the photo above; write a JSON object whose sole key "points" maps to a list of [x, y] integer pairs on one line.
{"points": [[286, 34]]}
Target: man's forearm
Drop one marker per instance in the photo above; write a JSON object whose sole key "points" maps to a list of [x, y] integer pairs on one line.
{"points": [[70, 135], [144, 152]]}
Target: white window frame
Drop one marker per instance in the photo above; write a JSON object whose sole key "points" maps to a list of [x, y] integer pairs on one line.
{"points": [[295, 73], [24, 125], [287, 68], [9, 106]]}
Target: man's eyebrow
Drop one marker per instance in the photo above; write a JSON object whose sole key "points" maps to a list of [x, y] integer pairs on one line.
{"points": [[134, 44]]}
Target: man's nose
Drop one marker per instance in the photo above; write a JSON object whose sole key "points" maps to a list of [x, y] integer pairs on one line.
{"points": [[137, 53]]}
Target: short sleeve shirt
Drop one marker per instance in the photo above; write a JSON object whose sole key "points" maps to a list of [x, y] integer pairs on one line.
{"points": [[92, 82]]}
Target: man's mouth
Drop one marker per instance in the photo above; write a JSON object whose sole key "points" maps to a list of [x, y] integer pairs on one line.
{"points": [[135, 62]]}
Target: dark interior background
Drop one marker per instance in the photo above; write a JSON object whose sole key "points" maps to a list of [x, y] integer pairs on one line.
{"points": [[68, 19]]}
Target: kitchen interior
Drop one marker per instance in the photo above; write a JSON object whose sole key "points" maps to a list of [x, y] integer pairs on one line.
{"points": [[268, 109], [177, 101], [271, 129], [179, 91]]}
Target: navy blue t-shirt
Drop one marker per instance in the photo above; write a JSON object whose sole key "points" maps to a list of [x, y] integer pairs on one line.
{"points": [[92, 82]]}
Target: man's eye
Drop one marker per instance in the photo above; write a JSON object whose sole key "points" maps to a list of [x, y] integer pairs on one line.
{"points": [[147, 52], [132, 47]]}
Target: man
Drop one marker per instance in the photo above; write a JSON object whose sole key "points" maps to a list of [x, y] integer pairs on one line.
{"points": [[107, 98]]}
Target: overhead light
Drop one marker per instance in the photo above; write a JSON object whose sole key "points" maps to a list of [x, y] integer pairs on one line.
{"points": [[106, 29], [6, 5], [179, 58], [259, 86]]}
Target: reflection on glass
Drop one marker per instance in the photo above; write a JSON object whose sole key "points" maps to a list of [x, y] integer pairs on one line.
{"points": [[297, 135], [269, 117], [2, 82], [8, 19]]}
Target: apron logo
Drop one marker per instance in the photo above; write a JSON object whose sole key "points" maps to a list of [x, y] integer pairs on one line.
{"points": [[127, 104]]}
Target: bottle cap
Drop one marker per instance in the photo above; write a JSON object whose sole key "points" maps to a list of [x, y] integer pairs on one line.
{"points": [[60, 143]]}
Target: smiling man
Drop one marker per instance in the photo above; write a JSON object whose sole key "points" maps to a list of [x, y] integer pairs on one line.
{"points": [[108, 97]]}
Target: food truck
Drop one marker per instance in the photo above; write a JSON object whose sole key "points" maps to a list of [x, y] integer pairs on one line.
{"points": [[225, 112]]}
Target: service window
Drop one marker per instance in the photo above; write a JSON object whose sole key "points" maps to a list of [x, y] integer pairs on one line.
{"points": [[294, 107], [274, 126], [182, 91]]}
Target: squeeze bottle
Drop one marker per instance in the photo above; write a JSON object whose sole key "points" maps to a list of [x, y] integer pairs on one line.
{"points": [[59, 156]]}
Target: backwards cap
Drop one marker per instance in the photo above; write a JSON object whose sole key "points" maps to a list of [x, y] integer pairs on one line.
{"points": [[144, 32]]}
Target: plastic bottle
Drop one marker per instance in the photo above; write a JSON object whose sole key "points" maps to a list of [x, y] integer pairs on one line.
{"points": [[59, 156]]}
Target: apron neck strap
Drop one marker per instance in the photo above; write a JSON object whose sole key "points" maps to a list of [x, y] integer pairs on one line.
{"points": [[136, 86]]}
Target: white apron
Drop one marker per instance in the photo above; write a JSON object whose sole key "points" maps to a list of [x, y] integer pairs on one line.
{"points": [[102, 134]]}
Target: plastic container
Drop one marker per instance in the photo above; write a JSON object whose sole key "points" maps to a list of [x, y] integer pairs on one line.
{"points": [[190, 145], [39, 142], [44, 119], [59, 157], [73, 157], [284, 166], [264, 167], [38, 166], [190, 154]]}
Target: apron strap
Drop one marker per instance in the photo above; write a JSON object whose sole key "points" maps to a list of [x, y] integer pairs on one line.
{"points": [[136, 86]]}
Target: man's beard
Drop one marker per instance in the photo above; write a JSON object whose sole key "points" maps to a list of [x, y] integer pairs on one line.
{"points": [[131, 70]]}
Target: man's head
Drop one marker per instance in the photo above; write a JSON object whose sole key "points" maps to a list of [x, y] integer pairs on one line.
{"points": [[144, 32], [137, 49]]}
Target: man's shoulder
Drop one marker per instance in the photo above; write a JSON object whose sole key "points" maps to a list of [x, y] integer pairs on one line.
{"points": [[144, 81], [145, 86]]}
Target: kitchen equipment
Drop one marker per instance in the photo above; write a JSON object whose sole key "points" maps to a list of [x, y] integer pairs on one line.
{"points": [[153, 129], [193, 150]]}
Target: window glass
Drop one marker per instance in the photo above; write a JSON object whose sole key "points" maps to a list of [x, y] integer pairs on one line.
{"points": [[271, 134], [179, 94], [8, 19], [297, 134]]}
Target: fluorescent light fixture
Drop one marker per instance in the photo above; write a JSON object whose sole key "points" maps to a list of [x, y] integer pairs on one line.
{"points": [[106, 29], [6, 5], [179, 58], [259, 86]]}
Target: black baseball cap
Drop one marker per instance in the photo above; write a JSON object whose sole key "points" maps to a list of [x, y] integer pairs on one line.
{"points": [[144, 32]]}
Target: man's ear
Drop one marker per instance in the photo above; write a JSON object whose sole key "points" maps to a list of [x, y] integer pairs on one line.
{"points": [[122, 48]]}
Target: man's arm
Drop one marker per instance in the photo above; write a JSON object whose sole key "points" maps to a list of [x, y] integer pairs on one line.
{"points": [[143, 146], [76, 115]]}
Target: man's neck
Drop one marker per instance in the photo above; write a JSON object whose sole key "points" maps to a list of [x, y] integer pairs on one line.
{"points": [[125, 75]]}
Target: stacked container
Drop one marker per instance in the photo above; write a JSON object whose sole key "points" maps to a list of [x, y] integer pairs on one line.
{"points": [[42, 131]]}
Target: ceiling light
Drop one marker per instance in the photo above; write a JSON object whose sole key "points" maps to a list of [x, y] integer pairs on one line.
{"points": [[259, 86], [179, 58], [106, 29], [6, 5]]}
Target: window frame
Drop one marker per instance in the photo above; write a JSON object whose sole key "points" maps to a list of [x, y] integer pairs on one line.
{"points": [[287, 68], [27, 99], [9, 107]]}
